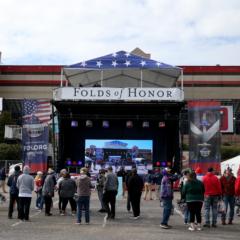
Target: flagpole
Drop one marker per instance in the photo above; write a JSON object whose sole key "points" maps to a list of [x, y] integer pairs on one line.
{"points": [[53, 139], [141, 74], [182, 84], [61, 77], [101, 78]]}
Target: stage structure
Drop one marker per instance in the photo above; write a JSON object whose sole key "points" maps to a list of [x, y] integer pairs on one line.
{"points": [[119, 109]]}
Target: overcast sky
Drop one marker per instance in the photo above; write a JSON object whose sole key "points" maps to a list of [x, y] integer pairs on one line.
{"points": [[177, 32]]}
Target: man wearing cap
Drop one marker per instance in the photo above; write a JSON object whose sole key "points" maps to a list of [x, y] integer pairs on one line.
{"points": [[48, 191], [25, 184], [83, 192], [228, 192], [13, 191], [213, 191], [110, 190], [166, 196]]}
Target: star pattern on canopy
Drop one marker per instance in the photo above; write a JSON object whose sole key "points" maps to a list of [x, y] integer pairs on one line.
{"points": [[120, 60]]}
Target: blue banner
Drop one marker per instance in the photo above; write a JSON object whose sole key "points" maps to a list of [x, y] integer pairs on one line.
{"points": [[35, 146]]}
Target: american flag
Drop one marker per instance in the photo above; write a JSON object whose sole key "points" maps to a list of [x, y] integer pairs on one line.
{"points": [[121, 60], [36, 111]]}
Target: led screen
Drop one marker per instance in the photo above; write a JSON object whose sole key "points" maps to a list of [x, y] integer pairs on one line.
{"points": [[101, 153]]}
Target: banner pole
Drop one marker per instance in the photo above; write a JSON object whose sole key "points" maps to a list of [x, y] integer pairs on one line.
{"points": [[61, 84], [101, 78], [53, 138]]}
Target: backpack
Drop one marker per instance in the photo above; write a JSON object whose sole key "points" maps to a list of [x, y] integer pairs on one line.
{"points": [[13, 188]]}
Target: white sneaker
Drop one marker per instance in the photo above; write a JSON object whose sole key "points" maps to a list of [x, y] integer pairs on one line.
{"points": [[191, 229], [135, 218]]}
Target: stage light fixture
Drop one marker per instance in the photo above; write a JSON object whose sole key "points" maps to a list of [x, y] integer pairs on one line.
{"points": [[145, 124], [161, 124], [164, 164], [89, 123], [105, 124], [129, 124], [74, 123], [79, 163], [69, 162]]}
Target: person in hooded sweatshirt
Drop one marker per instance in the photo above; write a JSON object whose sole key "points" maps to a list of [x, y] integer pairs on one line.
{"points": [[110, 190], [193, 193], [228, 192], [213, 192], [25, 184], [83, 192], [67, 189], [13, 191], [48, 191], [166, 196]]}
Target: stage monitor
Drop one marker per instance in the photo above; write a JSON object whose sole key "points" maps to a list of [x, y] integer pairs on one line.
{"points": [[101, 153]]}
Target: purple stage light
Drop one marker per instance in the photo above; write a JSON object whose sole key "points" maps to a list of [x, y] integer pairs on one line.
{"points": [[105, 124], [74, 123]]}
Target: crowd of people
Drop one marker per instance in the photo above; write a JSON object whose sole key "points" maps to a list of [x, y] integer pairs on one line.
{"points": [[210, 191], [216, 194]]}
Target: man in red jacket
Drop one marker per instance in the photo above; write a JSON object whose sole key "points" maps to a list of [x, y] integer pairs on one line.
{"points": [[228, 192], [212, 194]]}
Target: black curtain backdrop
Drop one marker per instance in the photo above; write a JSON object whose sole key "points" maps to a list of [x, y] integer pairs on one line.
{"points": [[165, 139]]}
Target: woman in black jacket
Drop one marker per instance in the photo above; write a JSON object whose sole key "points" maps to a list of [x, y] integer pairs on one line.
{"points": [[135, 186]]}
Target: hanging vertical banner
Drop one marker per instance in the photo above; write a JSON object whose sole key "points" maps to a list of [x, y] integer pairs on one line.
{"points": [[36, 115], [204, 135], [35, 146]]}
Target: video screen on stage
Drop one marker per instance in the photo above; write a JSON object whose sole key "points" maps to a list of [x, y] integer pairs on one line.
{"points": [[101, 153]]}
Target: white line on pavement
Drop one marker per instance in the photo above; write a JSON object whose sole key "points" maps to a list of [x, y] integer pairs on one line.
{"points": [[33, 215]]}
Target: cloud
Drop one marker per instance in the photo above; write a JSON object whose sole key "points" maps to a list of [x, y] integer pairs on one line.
{"points": [[64, 32]]}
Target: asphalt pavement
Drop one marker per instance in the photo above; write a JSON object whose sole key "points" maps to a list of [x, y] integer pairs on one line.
{"points": [[145, 228]]}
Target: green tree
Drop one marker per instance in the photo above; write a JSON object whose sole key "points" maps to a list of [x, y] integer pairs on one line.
{"points": [[10, 151], [228, 152]]}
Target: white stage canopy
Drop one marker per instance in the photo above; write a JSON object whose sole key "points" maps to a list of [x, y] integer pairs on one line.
{"points": [[120, 70]]}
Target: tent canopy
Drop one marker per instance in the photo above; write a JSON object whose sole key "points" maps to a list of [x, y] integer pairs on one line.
{"points": [[122, 69], [233, 163]]}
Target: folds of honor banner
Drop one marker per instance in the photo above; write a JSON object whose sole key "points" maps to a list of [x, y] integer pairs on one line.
{"points": [[204, 135]]}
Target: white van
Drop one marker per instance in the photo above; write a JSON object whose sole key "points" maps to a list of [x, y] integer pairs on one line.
{"points": [[11, 168]]}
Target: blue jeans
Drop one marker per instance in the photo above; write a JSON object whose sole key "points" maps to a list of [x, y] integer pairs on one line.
{"points": [[211, 202], [186, 215], [83, 202], [100, 197], [167, 208], [39, 200], [231, 201]]}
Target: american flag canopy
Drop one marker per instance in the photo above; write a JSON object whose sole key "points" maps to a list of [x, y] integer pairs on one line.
{"points": [[36, 111], [122, 67], [121, 60]]}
